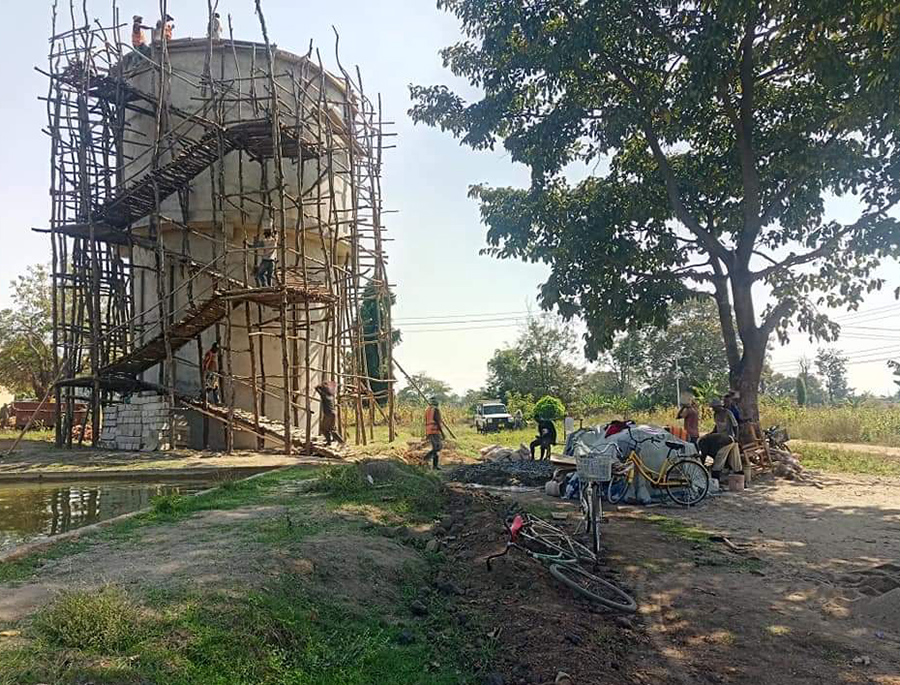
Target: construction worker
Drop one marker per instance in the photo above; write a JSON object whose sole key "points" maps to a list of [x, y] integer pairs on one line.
{"points": [[327, 416], [211, 373], [545, 438], [168, 27], [690, 412], [138, 38], [214, 30], [434, 432], [268, 251]]}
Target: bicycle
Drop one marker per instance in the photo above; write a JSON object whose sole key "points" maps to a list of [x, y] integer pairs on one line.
{"points": [[593, 468], [526, 533], [685, 480]]}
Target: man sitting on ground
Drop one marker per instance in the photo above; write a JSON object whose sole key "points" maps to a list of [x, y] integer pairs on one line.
{"points": [[545, 438]]}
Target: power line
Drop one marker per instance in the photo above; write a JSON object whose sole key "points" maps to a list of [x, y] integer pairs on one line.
{"points": [[457, 316]]}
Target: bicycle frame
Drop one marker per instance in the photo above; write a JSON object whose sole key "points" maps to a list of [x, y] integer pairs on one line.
{"points": [[519, 526]]}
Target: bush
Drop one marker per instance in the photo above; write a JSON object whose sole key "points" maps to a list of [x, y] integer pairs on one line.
{"points": [[517, 401], [549, 407], [102, 621]]}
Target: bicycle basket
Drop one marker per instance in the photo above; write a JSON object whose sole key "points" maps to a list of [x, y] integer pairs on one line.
{"points": [[594, 466]]}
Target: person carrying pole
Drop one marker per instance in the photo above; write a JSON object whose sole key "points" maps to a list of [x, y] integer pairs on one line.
{"points": [[434, 432], [327, 416]]}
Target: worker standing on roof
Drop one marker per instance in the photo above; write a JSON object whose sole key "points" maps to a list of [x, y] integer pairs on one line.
{"points": [[138, 38], [434, 432], [211, 373], [215, 27], [168, 27]]}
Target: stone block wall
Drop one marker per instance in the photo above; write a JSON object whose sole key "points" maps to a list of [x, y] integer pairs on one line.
{"points": [[142, 424]]}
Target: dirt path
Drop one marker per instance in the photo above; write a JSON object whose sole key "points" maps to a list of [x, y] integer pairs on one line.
{"points": [[881, 450]]}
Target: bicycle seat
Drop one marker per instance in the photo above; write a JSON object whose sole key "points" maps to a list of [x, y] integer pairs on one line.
{"points": [[516, 526], [675, 445]]}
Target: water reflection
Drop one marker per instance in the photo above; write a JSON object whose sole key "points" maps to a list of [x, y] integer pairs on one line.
{"points": [[34, 510]]}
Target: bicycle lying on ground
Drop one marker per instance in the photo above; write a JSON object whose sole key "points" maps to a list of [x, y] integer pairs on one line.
{"points": [[555, 549], [685, 480]]}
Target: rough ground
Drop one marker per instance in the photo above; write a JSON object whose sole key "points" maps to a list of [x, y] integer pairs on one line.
{"points": [[813, 600]]}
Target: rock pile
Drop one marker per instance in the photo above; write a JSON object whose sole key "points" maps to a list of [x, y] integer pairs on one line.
{"points": [[503, 472]]}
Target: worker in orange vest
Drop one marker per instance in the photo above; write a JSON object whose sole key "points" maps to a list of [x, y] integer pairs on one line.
{"points": [[434, 432], [138, 39]]}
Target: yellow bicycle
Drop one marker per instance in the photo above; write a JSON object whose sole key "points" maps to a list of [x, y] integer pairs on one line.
{"points": [[685, 480]]}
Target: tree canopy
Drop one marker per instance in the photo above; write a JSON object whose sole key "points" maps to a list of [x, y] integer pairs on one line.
{"points": [[432, 387], [720, 127], [26, 345]]}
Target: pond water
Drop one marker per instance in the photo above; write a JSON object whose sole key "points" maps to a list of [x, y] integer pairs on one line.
{"points": [[30, 511]]}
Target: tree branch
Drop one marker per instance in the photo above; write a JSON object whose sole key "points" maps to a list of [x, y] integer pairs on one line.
{"points": [[779, 311]]}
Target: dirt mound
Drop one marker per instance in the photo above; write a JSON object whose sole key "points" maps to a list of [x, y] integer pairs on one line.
{"points": [[883, 611], [537, 626], [335, 562], [874, 581]]}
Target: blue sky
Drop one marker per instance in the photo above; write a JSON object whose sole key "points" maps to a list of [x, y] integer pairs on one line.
{"points": [[436, 233]]}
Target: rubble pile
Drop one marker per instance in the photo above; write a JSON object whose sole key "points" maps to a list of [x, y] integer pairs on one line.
{"points": [[504, 472], [786, 465]]}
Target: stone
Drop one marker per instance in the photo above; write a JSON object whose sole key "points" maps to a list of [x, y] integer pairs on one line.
{"points": [[418, 608], [406, 637], [433, 545], [493, 678]]}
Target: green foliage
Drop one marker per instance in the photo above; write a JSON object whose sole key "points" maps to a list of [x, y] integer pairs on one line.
{"points": [[432, 387], [414, 491], [373, 313], [688, 109], [100, 621], [26, 352], [516, 401], [832, 365], [549, 408], [538, 364], [801, 391], [894, 365], [846, 461]]}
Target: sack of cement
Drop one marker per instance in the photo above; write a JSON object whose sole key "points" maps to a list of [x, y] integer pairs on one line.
{"points": [[497, 453], [484, 451]]}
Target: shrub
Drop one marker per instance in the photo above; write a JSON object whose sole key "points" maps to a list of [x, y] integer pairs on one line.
{"points": [[516, 401], [102, 621], [549, 407]]}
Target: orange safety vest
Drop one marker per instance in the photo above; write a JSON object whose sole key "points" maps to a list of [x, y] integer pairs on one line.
{"points": [[432, 427]]}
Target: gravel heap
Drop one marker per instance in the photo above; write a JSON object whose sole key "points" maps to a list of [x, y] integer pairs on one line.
{"points": [[530, 473]]}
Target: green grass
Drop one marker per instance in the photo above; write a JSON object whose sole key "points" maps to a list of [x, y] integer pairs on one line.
{"points": [[679, 529], [846, 461], [291, 630], [25, 567], [282, 635], [411, 492]]}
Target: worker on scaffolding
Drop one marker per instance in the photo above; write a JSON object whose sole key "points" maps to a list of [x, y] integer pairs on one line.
{"points": [[267, 248], [211, 374], [214, 30], [138, 38], [168, 28]]}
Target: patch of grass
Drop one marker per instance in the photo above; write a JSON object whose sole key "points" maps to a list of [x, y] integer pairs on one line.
{"points": [[845, 461], [103, 621], [679, 529], [23, 568], [283, 635], [411, 492]]}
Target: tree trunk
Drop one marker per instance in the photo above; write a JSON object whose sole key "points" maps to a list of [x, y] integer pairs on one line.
{"points": [[745, 378]]}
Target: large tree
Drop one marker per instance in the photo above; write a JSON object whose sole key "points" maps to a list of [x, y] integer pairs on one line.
{"points": [[721, 127], [26, 345], [431, 387], [832, 366], [540, 363]]}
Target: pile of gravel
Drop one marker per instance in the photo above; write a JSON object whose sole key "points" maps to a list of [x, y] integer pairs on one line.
{"points": [[530, 473]]}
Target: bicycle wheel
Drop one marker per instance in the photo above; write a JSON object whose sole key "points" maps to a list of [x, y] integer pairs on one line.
{"points": [[594, 588], [618, 486], [687, 482], [552, 539], [594, 514]]}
